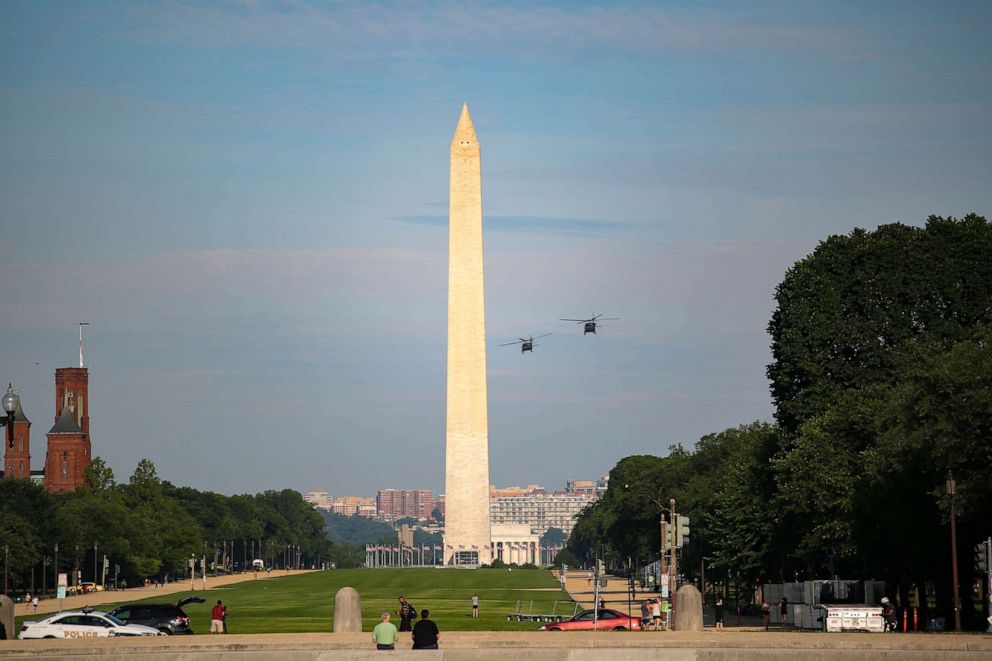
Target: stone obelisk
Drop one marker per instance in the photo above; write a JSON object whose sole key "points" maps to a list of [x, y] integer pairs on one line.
{"points": [[466, 470]]}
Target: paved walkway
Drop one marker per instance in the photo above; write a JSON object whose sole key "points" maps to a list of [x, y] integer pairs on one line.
{"points": [[614, 594], [136, 594], [707, 645]]}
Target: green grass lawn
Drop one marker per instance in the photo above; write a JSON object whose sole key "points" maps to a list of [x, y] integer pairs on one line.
{"points": [[305, 602]]}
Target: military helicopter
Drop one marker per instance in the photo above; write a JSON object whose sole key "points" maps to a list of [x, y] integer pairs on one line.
{"points": [[526, 345], [590, 324]]}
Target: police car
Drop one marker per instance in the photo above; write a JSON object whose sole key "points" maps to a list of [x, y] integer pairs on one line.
{"points": [[82, 624]]}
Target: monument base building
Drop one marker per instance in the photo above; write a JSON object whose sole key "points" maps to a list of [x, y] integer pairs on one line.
{"points": [[515, 544]]}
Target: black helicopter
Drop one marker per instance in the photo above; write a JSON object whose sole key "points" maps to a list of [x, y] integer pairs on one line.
{"points": [[526, 345], [590, 324]]}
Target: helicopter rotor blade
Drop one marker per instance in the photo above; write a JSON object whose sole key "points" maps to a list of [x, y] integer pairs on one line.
{"points": [[509, 343], [610, 318], [581, 321], [540, 336]]}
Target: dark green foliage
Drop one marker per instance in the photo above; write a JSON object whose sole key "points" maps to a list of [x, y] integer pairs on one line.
{"points": [[882, 383], [850, 314], [148, 527], [553, 537], [357, 530], [721, 487]]}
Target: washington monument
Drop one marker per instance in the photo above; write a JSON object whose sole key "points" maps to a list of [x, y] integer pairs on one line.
{"points": [[466, 471]]}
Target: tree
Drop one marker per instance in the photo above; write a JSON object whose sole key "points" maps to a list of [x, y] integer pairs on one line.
{"points": [[849, 314], [98, 476], [554, 537], [739, 523], [23, 545]]}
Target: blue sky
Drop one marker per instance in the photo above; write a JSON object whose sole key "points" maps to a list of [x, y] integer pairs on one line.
{"points": [[247, 201]]}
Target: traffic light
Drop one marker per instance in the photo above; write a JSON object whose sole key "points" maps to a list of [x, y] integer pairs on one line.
{"points": [[681, 530], [982, 557], [668, 538], [600, 567]]}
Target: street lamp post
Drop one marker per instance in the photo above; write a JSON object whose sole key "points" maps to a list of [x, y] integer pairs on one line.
{"points": [[55, 567], [952, 492], [96, 574], [6, 552], [673, 567], [10, 402]]}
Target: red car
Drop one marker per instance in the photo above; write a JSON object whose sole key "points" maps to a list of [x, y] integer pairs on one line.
{"points": [[608, 620]]}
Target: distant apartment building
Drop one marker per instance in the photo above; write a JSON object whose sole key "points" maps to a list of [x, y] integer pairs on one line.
{"points": [[399, 503], [540, 511], [502, 492], [602, 485], [439, 504], [320, 500], [354, 505], [583, 487]]}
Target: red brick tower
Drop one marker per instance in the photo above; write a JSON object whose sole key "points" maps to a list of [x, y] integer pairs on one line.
{"points": [[76, 382], [69, 439], [17, 455]]}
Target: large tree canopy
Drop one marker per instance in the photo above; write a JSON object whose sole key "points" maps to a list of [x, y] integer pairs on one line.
{"points": [[851, 314], [149, 527], [882, 384]]}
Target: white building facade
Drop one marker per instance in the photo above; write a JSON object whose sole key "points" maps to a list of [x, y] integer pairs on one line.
{"points": [[539, 511]]}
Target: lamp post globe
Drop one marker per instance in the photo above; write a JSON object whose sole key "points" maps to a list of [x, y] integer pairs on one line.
{"points": [[10, 403], [10, 400]]}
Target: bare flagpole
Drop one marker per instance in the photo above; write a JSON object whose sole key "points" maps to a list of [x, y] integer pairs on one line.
{"points": [[81, 324]]}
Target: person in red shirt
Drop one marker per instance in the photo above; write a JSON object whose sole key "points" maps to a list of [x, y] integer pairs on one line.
{"points": [[217, 617]]}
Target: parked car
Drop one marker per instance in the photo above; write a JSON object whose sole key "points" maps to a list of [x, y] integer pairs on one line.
{"points": [[85, 587], [82, 624], [166, 618], [608, 620]]}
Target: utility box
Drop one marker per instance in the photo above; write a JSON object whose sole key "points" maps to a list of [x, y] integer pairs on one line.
{"points": [[853, 617]]}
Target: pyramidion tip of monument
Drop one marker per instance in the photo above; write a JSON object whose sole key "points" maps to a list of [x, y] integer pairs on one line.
{"points": [[465, 129]]}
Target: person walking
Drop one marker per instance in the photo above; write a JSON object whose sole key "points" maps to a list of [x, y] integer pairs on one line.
{"points": [[645, 614], [34, 603], [475, 605], [384, 634], [766, 612], [425, 633], [407, 614], [718, 613], [217, 617], [783, 611], [656, 614]]}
